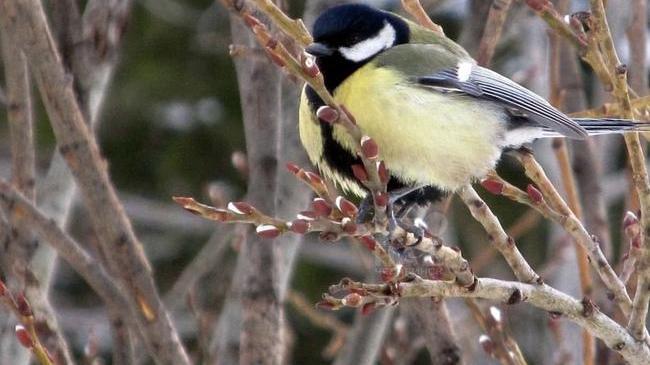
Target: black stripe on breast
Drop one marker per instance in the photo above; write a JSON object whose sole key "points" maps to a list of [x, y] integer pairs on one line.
{"points": [[338, 158]]}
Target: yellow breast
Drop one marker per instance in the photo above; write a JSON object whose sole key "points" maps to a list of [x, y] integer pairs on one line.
{"points": [[425, 137]]}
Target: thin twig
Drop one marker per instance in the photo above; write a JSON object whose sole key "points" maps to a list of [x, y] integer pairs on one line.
{"points": [[492, 31], [535, 199], [414, 7], [497, 235], [23, 158], [636, 156]]}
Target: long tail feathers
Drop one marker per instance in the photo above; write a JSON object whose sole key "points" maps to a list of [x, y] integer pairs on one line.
{"points": [[596, 127]]}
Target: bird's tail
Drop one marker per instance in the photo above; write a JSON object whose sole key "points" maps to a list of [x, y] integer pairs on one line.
{"points": [[597, 127]]}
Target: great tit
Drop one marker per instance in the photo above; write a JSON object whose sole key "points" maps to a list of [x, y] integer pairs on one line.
{"points": [[440, 120]]}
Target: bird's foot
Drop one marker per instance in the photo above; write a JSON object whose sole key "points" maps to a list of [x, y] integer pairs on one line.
{"points": [[366, 210], [400, 229]]}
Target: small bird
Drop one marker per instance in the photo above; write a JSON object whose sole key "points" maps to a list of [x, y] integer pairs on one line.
{"points": [[440, 120]]}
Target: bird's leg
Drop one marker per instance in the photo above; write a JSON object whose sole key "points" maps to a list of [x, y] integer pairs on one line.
{"points": [[365, 209], [395, 220]]}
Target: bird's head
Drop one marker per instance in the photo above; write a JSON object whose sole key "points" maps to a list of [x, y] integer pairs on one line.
{"points": [[348, 36]]}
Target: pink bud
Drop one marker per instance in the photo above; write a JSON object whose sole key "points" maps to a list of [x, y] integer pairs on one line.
{"points": [[251, 21], [348, 226], [388, 274], [487, 344], [23, 306], [321, 207], [299, 226], [24, 337], [327, 114], [346, 207], [537, 5], [267, 231], [534, 194], [381, 199], [324, 304], [360, 172], [306, 215], [292, 167], [493, 186], [368, 308], [241, 208], [369, 242], [382, 172], [314, 178], [630, 219], [369, 148], [309, 65], [3, 289], [352, 300]]}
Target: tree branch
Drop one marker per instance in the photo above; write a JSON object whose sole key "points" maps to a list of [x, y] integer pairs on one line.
{"points": [[25, 22]]}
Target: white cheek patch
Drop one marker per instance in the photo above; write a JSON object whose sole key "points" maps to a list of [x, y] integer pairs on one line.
{"points": [[371, 46], [464, 70]]}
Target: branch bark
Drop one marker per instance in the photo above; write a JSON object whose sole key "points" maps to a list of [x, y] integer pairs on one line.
{"points": [[25, 22]]}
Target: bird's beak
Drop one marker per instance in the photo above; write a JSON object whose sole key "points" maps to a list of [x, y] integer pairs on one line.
{"points": [[319, 49]]}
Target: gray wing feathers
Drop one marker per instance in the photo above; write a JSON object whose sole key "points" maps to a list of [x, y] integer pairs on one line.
{"points": [[485, 84]]}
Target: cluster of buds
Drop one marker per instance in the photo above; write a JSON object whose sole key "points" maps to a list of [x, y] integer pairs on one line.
{"points": [[303, 66], [495, 185], [25, 331], [351, 294]]}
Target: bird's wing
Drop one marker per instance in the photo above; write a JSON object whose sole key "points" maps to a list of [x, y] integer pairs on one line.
{"points": [[481, 83], [435, 67]]}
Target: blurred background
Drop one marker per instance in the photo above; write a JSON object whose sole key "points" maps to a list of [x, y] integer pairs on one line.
{"points": [[171, 124]]}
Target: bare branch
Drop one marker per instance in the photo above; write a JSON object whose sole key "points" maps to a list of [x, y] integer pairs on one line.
{"points": [[583, 313], [492, 32], [414, 7], [498, 237], [26, 23]]}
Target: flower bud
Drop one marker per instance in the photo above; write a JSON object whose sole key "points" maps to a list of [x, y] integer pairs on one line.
{"points": [[267, 231], [299, 226], [24, 337], [360, 173], [327, 114], [324, 304], [493, 186], [487, 344], [352, 300], [348, 226], [292, 167], [369, 148], [368, 308], [369, 242], [306, 215], [381, 199], [23, 306], [346, 207], [241, 208], [321, 207], [534, 194], [309, 65]]}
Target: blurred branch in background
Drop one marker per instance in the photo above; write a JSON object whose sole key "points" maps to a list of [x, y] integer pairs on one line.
{"points": [[173, 124]]}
